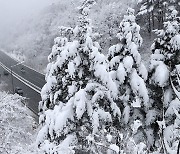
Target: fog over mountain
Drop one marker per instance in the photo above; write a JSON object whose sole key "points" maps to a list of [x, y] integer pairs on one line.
{"points": [[14, 11], [28, 27]]}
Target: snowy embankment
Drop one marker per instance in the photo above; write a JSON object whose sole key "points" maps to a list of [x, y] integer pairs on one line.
{"points": [[16, 55], [17, 128]]}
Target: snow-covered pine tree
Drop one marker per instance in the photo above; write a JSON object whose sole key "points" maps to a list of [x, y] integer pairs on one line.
{"points": [[162, 119], [130, 74], [53, 89], [176, 89], [79, 88]]}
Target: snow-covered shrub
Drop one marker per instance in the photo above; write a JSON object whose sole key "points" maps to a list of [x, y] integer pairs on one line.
{"points": [[16, 129], [163, 74], [129, 73], [77, 108]]}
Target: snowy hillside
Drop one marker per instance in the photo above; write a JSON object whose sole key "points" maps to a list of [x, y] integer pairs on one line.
{"points": [[33, 37], [17, 128]]}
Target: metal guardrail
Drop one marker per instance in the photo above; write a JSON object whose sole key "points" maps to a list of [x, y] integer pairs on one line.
{"points": [[26, 82]]}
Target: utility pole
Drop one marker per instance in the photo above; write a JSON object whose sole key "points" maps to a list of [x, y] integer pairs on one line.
{"points": [[12, 80], [12, 75]]}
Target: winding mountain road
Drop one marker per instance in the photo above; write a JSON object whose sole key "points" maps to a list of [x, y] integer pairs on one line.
{"points": [[30, 81]]}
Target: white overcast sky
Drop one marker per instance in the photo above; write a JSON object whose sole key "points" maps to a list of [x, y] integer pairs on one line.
{"points": [[15, 10]]}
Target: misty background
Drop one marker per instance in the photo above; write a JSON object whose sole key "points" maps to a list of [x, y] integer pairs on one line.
{"points": [[13, 11], [28, 27]]}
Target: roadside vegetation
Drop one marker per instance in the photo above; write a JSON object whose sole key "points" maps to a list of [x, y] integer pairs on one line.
{"points": [[17, 128]]}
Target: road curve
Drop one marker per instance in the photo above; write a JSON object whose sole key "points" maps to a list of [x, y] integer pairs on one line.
{"points": [[32, 76], [30, 81]]}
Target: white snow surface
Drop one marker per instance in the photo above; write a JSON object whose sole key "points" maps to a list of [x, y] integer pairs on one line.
{"points": [[128, 63], [121, 73], [136, 125], [17, 128], [114, 148], [161, 74], [139, 87], [175, 42]]}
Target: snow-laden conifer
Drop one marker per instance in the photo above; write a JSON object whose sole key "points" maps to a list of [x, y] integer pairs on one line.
{"points": [[163, 78], [129, 73], [78, 110]]}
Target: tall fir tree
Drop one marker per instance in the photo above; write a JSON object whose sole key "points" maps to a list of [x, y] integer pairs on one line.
{"points": [[78, 112], [130, 74], [157, 11], [161, 118]]}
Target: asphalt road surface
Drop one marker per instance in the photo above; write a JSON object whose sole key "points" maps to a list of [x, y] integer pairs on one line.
{"points": [[32, 80], [30, 75]]}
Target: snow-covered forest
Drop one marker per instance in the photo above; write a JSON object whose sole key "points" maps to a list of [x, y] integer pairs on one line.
{"points": [[112, 71]]}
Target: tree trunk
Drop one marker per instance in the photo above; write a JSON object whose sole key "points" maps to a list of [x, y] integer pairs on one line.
{"points": [[178, 147], [149, 19], [152, 19]]}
